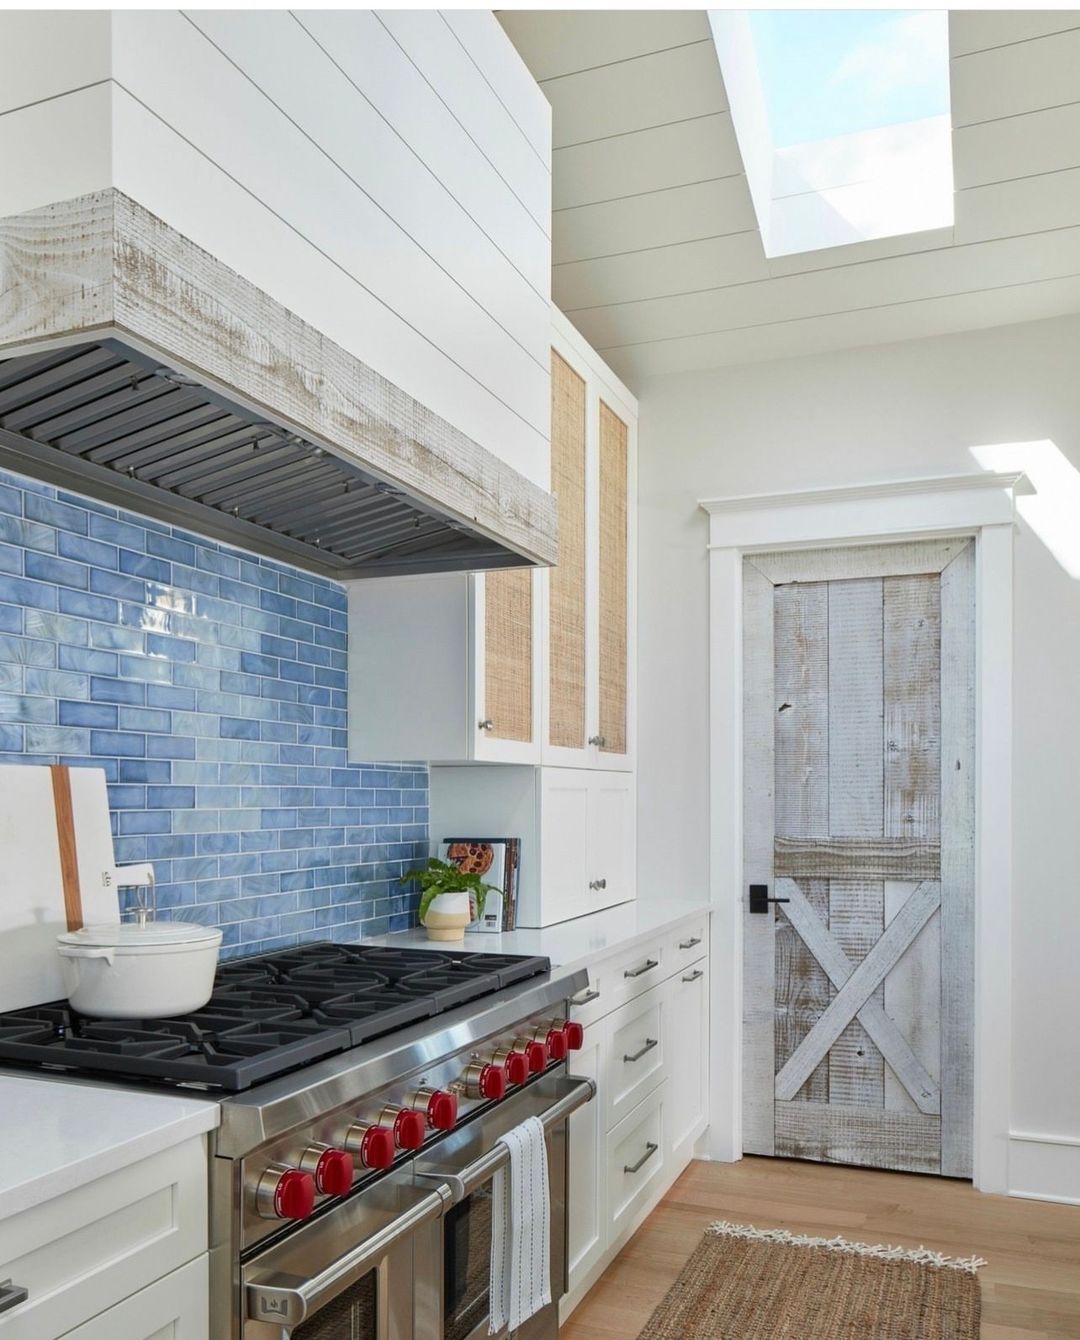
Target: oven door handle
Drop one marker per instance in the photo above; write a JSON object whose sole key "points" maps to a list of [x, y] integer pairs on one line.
{"points": [[464, 1181], [284, 1301]]}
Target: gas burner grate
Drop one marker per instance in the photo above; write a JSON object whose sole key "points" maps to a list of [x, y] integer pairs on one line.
{"points": [[268, 1015]]}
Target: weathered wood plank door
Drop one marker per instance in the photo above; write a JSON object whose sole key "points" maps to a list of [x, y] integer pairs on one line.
{"points": [[859, 825]]}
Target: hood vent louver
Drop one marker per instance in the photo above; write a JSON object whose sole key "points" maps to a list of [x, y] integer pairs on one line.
{"points": [[147, 374], [104, 420]]}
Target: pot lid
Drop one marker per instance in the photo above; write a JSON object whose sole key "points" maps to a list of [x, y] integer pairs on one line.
{"points": [[130, 935]]}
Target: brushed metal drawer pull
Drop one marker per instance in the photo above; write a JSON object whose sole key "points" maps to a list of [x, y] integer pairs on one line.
{"points": [[587, 998], [693, 976], [486, 724], [650, 1043], [689, 944], [650, 1150], [11, 1295], [647, 966], [597, 883]]}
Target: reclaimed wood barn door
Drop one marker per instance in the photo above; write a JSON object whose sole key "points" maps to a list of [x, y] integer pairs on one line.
{"points": [[859, 826]]}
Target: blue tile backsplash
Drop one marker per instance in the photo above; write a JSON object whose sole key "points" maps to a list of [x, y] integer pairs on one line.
{"points": [[211, 686]]}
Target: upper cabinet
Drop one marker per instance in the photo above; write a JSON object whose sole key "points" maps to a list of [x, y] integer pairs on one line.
{"points": [[301, 266], [589, 596], [519, 666]]}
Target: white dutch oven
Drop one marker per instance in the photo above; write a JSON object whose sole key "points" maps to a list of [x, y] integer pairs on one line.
{"points": [[140, 971]]}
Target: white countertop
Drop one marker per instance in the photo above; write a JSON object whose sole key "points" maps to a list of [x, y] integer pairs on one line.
{"points": [[571, 943], [59, 1134]]}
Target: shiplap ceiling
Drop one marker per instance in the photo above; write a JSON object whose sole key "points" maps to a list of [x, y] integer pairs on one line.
{"points": [[656, 251]]}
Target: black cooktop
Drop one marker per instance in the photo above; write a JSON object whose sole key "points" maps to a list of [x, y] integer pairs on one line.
{"points": [[268, 1015]]}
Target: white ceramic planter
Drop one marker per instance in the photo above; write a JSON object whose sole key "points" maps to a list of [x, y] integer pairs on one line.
{"points": [[140, 972], [447, 916]]}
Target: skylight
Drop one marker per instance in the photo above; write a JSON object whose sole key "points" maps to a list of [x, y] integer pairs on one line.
{"points": [[842, 118]]}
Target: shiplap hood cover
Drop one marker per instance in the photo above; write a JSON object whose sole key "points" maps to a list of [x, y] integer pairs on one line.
{"points": [[142, 371]]}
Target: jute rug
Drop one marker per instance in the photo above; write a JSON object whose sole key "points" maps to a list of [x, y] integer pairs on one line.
{"points": [[746, 1283]]}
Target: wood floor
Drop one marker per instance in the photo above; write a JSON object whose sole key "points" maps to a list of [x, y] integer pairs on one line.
{"points": [[1030, 1288]]}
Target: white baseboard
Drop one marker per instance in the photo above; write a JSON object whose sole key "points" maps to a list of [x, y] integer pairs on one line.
{"points": [[1044, 1167]]}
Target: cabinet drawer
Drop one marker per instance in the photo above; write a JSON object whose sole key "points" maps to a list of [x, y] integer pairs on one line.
{"points": [[85, 1250], [632, 972], [689, 944], [174, 1308], [635, 1160], [635, 1054]]}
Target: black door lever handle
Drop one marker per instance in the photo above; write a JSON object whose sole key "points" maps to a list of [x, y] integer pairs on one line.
{"points": [[760, 900]]}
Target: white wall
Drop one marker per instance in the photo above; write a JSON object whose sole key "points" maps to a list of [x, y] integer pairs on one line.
{"points": [[884, 413], [387, 176]]}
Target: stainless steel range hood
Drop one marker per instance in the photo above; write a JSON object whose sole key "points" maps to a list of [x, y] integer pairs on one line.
{"points": [[147, 374]]}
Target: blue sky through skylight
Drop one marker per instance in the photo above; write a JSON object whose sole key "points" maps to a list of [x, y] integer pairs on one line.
{"points": [[835, 72]]}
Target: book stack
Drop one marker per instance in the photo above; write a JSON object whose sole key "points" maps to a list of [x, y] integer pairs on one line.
{"points": [[497, 862]]}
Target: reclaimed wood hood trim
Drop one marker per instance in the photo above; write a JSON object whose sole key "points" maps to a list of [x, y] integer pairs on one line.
{"points": [[102, 272]]}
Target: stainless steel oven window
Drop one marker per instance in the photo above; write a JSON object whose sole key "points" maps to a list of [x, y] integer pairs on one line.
{"points": [[353, 1315], [467, 1265]]}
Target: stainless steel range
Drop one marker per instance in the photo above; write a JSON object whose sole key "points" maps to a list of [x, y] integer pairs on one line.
{"points": [[363, 1091]]}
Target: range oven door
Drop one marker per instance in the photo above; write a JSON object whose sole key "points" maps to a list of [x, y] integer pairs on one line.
{"points": [[453, 1253], [348, 1275], [408, 1257]]}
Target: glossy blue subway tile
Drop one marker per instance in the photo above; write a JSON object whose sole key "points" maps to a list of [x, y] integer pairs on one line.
{"points": [[18, 707], [127, 797], [114, 531], [23, 591], [107, 690], [27, 651], [169, 746], [59, 571], [145, 770], [145, 719], [87, 606], [168, 547], [103, 557], [169, 696], [57, 683], [53, 513], [105, 583], [27, 535], [171, 648]]}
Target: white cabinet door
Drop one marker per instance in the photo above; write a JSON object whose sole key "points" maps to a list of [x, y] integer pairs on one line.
{"points": [[587, 1222], [564, 838], [174, 1308], [612, 857], [686, 1027]]}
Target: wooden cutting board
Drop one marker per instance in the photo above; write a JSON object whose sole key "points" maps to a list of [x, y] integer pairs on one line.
{"points": [[33, 874]]}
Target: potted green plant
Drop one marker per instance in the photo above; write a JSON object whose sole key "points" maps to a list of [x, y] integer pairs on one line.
{"points": [[448, 895]]}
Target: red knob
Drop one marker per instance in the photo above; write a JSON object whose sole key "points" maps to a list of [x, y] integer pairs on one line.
{"points": [[371, 1146], [492, 1082], [409, 1129], [574, 1034], [557, 1044], [537, 1055], [334, 1172], [442, 1110], [517, 1067], [294, 1195]]}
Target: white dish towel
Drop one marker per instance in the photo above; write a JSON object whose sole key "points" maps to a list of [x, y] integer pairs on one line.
{"points": [[520, 1229]]}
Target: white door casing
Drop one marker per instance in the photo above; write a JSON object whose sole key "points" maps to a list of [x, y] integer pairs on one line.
{"points": [[859, 814], [981, 506]]}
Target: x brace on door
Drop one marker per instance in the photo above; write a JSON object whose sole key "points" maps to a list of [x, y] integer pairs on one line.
{"points": [[855, 986]]}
